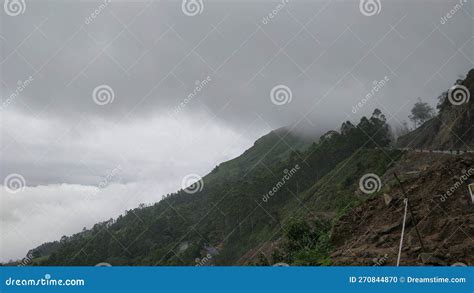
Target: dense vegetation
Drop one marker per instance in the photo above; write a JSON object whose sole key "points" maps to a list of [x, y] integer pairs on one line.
{"points": [[451, 127], [307, 234], [235, 211]]}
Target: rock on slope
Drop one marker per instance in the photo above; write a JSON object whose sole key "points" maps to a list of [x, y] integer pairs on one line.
{"points": [[370, 233]]}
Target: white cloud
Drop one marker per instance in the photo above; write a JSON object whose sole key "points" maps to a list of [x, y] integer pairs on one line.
{"points": [[139, 161], [159, 148], [45, 213]]}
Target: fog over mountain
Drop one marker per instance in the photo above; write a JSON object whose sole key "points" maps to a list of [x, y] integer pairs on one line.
{"points": [[106, 105]]}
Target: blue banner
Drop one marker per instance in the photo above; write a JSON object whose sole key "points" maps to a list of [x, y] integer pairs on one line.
{"points": [[237, 279]]}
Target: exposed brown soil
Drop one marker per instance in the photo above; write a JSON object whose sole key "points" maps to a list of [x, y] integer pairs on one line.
{"points": [[370, 233]]}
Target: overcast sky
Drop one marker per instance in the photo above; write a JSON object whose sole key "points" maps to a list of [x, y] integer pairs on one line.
{"points": [[106, 105]]}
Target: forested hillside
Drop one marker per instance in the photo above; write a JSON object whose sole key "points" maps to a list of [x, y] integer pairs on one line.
{"points": [[243, 203], [294, 200]]}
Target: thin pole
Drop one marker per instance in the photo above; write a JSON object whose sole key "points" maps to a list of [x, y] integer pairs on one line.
{"points": [[403, 231], [411, 211]]}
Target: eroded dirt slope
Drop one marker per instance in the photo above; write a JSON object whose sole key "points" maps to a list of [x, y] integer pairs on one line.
{"points": [[370, 233]]}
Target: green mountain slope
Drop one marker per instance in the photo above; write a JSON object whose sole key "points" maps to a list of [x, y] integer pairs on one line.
{"points": [[306, 236], [243, 203]]}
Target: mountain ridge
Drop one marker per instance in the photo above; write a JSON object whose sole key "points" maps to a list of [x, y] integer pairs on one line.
{"points": [[228, 213], [285, 199]]}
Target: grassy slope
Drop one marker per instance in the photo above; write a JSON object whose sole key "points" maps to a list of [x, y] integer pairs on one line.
{"points": [[146, 236], [229, 213], [322, 204]]}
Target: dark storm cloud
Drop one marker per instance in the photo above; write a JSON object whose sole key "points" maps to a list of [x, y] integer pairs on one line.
{"points": [[151, 54], [167, 84]]}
